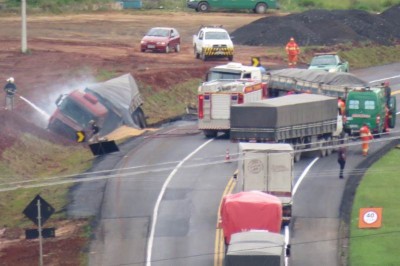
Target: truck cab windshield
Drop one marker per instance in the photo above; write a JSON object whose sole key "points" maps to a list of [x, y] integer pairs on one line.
{"points": [[218, 75], [216, 35], [75, 111]]}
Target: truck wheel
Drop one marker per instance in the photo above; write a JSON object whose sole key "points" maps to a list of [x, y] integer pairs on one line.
{"points": [[167, 49], [210, 133], [322, 148], [329, 149], [203, 7], [261, 8], [142, 119], [297, 155], [203, 56], [196, 54], [178, 48]]}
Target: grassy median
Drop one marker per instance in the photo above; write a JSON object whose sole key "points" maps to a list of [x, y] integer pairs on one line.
{"points": [[379, 188]]}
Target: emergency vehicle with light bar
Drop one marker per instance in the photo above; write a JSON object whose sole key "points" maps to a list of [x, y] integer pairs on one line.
{"points": [[215, 99]]}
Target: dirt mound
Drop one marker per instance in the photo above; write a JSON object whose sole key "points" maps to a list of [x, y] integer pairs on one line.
{"points": [[323, 27]]}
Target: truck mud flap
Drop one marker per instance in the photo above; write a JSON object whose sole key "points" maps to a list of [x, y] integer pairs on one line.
{"points": [[103, 147]]}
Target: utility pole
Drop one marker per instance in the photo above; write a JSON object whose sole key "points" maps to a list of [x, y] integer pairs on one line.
{"points": [[24, 45]]}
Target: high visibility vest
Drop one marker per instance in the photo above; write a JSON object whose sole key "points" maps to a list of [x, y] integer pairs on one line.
{"points": [[365, 134], [292, 48]]}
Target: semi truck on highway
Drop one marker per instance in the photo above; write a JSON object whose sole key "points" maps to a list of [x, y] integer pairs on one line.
{"points": [[251, 219], [215, 99], [110, 104], [301, 120], [279, 82], [267, 167]]}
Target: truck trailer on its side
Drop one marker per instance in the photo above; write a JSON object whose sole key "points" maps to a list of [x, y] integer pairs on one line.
{"points": [[110, 103], [302, 120]]}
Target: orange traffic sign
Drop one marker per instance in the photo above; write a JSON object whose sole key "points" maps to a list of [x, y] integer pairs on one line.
{"points": [[370, 218]]}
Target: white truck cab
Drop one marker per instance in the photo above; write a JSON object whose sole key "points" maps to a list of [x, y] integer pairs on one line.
{"points": [[234, 71], [212, 42]]}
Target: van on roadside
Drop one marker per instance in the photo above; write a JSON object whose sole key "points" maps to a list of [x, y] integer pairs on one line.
{"points": [[368, 105], [259, 7]]}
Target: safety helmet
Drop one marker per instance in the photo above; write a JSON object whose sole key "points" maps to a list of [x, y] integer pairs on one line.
{"points": [[91, 122], [10, 79], [292, 39]]}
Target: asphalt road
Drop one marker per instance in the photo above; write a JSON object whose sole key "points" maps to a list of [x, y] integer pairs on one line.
{"points": [[182, 231]]}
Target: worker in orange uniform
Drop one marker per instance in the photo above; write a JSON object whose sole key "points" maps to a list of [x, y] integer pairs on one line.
{"points": [[366, 136], [342, 106], [292, 50]]}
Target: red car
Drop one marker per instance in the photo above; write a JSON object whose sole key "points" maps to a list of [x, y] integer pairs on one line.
{"points": [[161, 39]]}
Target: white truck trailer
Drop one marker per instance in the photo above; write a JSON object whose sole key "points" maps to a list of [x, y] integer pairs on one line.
{"points": [[267, 167]]}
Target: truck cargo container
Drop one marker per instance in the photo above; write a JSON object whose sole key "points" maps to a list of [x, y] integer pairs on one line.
{"points": [[302, 120], [267, 167]]}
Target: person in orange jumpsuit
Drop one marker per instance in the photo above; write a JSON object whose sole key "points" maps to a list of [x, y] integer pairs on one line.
{"points": [[366, 136], [342, 106], [292, 50]]}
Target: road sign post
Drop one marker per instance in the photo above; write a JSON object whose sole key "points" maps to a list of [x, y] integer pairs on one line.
{"points": [[40, 233], [38, 211]]}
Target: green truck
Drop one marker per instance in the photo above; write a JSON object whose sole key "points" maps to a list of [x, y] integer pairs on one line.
{"points": [[370, 106], [258, 6]]}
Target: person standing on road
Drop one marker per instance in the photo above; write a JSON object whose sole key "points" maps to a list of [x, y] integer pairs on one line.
{"points": [[342, 106], [388, 92], [366, 136], [341, 160], [10, 90], [292, 50]]}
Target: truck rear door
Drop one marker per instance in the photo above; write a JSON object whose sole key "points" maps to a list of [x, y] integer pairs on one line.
{"points": [[279, 172], [220, 105]]}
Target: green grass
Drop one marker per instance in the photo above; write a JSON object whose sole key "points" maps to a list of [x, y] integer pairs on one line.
{"points": [[358, 56], [379, 188], [31, 160], [161, 105]]}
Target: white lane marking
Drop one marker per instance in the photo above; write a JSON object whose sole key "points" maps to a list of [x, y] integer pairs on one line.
{"points": [[398, 76], [158, 202], [303, 175]]}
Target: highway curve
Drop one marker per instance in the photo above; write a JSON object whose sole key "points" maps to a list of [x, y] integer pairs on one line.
{"points": [[191, 181]]}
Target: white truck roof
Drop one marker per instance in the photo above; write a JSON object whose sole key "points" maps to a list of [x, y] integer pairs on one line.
{"points": [[248, 146]]}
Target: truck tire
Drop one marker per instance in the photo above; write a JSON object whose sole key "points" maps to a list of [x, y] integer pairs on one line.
{"points": [[139, 118], [329, 149], [203, 7], [203, 56], [196, 54], [178, 48], [167, 49], [322, 147], [261, 8], [210, 133]]}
